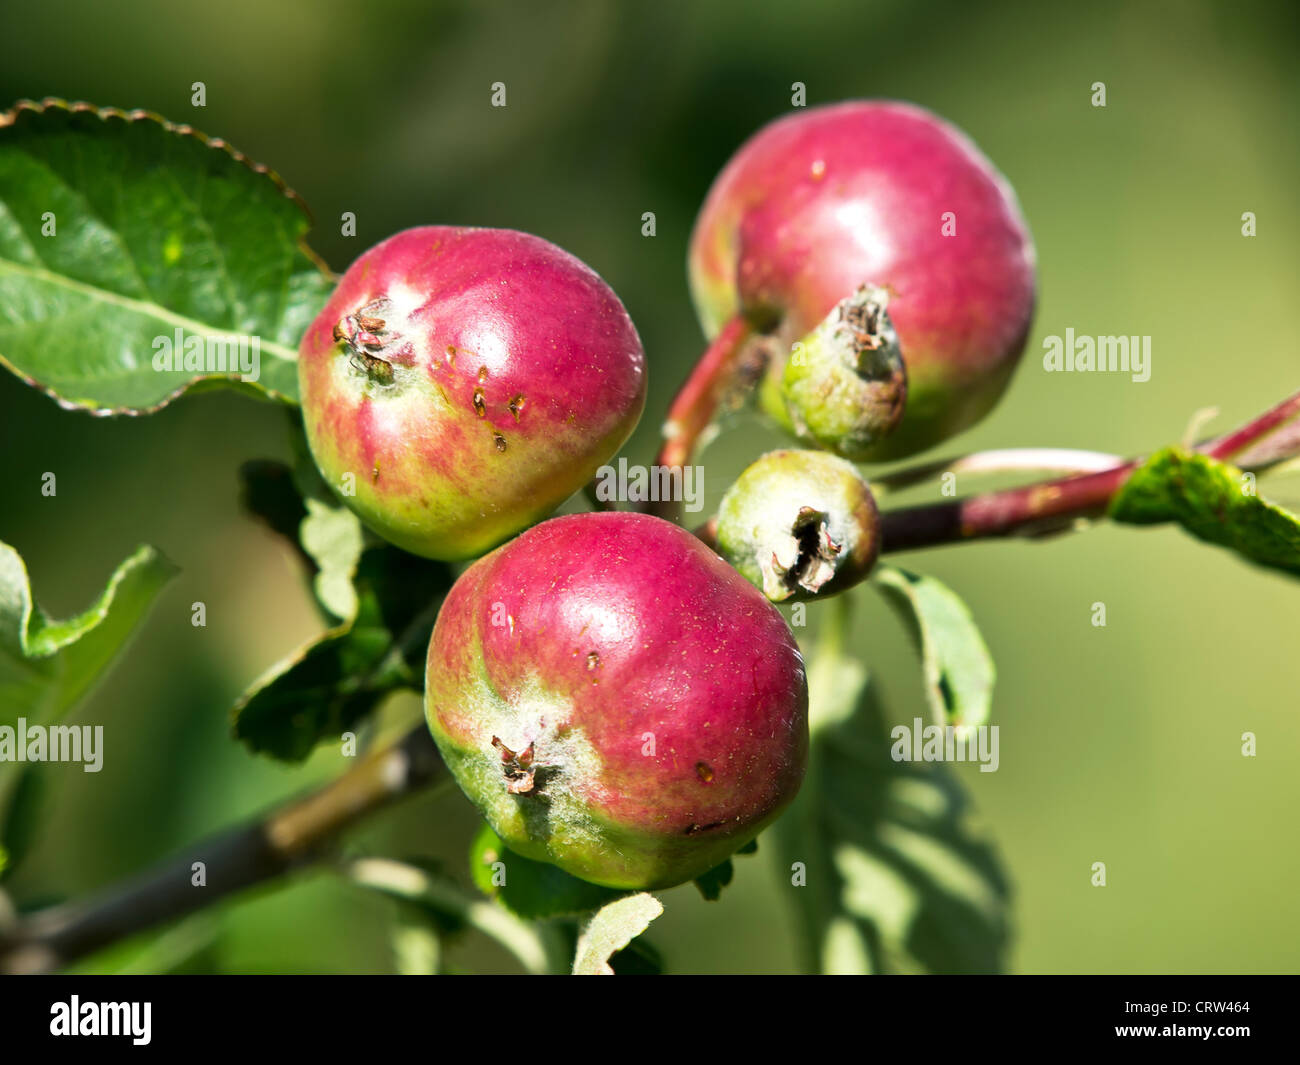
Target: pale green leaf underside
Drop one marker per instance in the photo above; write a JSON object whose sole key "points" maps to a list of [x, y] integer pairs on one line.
{"points": [[158, 234], [610, 929]]}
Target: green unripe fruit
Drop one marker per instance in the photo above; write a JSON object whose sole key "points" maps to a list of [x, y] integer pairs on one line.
{"points": [[844, 385], [800, 525]]}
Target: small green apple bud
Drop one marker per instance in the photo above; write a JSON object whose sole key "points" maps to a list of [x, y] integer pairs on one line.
{"points": [[845, 384], [800, 525]]}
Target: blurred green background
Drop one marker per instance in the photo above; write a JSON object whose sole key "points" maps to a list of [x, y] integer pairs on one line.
{"points": [[1118, 744]]}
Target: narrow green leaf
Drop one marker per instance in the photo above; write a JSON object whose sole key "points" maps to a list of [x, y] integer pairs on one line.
{"points": [[610, 929], [530, 889], [191, 946], [120, 234], [1213, 501], [957, 666], [46, 665]]}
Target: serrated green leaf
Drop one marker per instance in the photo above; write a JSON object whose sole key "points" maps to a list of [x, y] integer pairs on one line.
{"points": [[331, 684], [530, 889], [955, 660], [1213, 501], [157, 233], [610, 929], [46, 665], [885, 869]]}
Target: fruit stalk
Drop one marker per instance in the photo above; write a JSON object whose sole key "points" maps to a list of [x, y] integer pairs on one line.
{"points": [[696, 403]]}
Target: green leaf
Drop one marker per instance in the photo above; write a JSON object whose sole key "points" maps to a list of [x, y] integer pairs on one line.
{"points": [[296, 503], [331, 534], [384, 600], [896, 880], [328, 686], [956, 663], [1213, 501], [46, 665], [158, 232], [530, 889], [610, 929]]}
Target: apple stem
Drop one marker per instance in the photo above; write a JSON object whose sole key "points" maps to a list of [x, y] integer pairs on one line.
{"points": [[696, 405]]}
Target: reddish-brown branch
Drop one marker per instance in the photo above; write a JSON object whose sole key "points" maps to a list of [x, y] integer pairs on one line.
{"points": [[1054, 505], [1235, 444], [1034, 508]]}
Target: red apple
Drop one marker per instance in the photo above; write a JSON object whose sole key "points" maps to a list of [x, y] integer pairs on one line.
{"points": [[468, 381], [617, 700], [824, 201]]}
